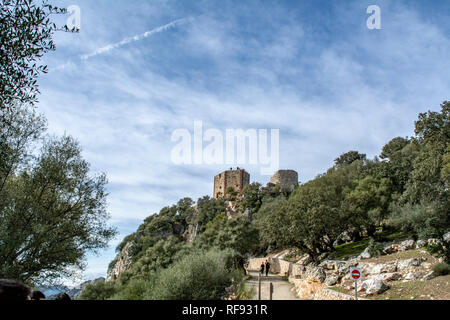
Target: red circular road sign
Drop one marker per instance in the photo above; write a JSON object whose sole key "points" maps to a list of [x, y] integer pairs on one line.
{"points": [[356, 274]]}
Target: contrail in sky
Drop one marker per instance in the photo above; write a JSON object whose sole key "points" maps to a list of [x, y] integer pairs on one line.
{"points": [[133, 39], [125, 41]]}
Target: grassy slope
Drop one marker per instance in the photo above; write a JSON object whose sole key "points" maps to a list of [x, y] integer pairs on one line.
{"points": [[434, 289]]}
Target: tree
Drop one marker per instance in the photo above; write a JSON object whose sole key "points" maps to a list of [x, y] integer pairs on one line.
{"points": [[237, 234], [271, 223], [432, 138], [52, 212], [19, 128], [349, 158], [424, 206], [399, 155], [25, 36], [207, 210], [252, 197], [368, 204]]}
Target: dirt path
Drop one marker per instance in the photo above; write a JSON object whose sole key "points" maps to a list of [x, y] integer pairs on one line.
{"points": [[281, 288]]}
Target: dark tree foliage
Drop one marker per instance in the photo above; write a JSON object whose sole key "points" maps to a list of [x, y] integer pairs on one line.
{"points": [[207, 210], [25, 36], [349, 158], [52, 212]]}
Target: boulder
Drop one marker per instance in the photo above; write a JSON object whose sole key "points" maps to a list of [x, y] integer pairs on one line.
{"points": [[446, 237], [412, 276], [391, 248], [365, 254], [331, 280], [328, 264], [316, 273], [387, 277], [373, 286], [421, 244], [427, 265], [407, 245], [432, 242], [405, 265], [343, 267], [429, 275], [384, 268], [305, 260]]}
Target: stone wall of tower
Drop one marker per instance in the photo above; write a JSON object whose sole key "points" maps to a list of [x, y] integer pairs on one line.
{"points": [[287, 179], [237, 179]]}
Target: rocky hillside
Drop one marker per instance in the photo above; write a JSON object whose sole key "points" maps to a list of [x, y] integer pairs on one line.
{"points": [[391, 275]]}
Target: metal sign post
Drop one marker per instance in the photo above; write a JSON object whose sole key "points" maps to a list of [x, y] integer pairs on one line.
{"points": [[271, 291], [356, 274], [259, 286]]}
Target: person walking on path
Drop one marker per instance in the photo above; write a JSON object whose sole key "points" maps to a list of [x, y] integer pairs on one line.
{"points": [[267, 267], [261, 269]]}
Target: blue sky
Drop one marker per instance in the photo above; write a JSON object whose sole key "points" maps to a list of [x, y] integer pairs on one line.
{"points": [[309, 68]]}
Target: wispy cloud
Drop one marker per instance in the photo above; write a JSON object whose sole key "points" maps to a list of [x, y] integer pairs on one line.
{"points": [[125, 41]]}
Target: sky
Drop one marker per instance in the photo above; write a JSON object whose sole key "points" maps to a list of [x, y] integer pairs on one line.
{"points": [[139, 70]]}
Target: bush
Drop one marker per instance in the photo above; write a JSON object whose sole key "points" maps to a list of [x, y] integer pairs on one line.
{"points": [[98, 291], [135, 289], [198, 276], [441, 269], [440, 251], [375, 248]]}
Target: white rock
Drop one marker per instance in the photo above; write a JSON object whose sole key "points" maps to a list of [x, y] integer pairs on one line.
{"points": [[405, 265], [434, 242], [387, 277], [365, 254], [305, 260], [413, 276], [317, 273], [407, 245], [421, 244], [446, 237], [331, 280], [384, 268], [428, 276], [373, 286]]}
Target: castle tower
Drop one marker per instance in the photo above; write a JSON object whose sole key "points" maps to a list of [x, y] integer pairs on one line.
{"points": [[286, 179], [237, 179]]}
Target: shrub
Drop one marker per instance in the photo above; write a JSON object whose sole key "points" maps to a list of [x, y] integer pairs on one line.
{"points": [[375, 248], [440, 251], [441, 269], [98, 291], [135, 289], [198, 276]]}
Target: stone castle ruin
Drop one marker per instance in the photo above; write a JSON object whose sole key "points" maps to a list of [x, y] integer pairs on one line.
{"points": [[286, 179], [239, 178]]}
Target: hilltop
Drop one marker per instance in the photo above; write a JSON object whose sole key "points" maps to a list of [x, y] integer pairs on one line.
{"points": [[358, 209]]}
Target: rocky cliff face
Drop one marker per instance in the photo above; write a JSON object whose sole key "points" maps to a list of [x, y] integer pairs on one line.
{"points": [[122, 263]]}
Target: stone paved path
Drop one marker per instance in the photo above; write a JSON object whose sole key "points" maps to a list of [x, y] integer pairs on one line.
{"points": [[281, 288]]}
